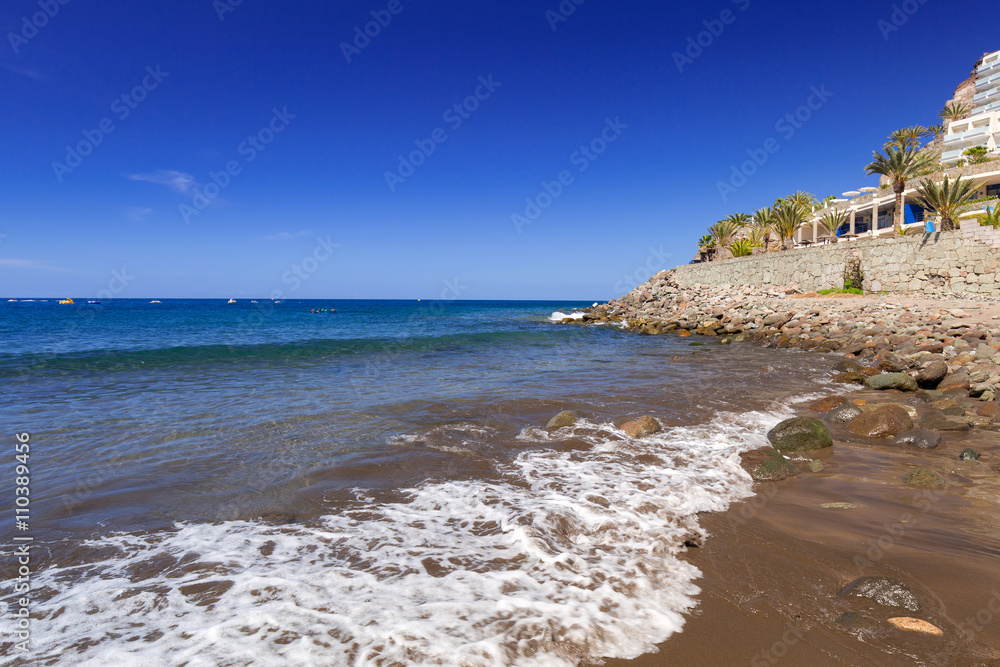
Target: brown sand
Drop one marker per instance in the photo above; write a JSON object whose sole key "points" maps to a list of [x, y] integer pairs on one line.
{"points": [[773, 564]]}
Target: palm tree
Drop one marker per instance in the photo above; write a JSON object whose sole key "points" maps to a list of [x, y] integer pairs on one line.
{"points": [[977, 154], [991, 217], [805, 201], [758, 236], [936, 130], [900, 165], [706, 246], [741, 248], [908, 136], [947, 199], [832, 221], [739, 220], [763, 219], [954, 111], [722, 233], [827, 201], [787, 219]]}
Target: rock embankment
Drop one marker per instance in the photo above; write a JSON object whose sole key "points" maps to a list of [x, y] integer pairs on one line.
{"points": [[910, 343]]}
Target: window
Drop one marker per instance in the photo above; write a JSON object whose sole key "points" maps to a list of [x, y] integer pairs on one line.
{"points": [[993, 190], [884, 220], [860, 227]]}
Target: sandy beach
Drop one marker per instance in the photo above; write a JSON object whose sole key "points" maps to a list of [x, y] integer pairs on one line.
{"points": [[773, 565]]}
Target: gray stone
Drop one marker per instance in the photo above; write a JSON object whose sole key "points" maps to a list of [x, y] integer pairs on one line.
{"points": [[843, 414], [900, 381], [800, 434], [919, 438]]}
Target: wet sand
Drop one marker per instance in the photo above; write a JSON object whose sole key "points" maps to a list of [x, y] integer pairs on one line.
{"points": [[773, 564]]}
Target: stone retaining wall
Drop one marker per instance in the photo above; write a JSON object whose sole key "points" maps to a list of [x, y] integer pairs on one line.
{"points": [[941, 263]]}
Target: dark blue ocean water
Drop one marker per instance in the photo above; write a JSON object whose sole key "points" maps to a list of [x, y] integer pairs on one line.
{"points": [[370, 486]]}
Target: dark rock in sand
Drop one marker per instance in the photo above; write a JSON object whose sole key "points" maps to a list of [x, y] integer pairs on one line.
{"points": [[900, 381], [640, 428], [767, 465], [800, 434], [883, 590], [937, 421], [847, 366], [564, 418], [919, 438], [886, 421], [969, 454], [844, 414], [828, 403], [924, 477], [931, 375]]}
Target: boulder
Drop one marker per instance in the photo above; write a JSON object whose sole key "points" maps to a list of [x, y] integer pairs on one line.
{"points": [[931, 375], [900, 381], [990, 410], [854, 377], [886, 421], [767, 465], [883, 590], [937, 421], [968, 454], [640, 428], [985, 352], [924, 477], [563, 419], [800, 434], [959, 380], [843, 414], [847, 366], [919, 438], [828, 403]]}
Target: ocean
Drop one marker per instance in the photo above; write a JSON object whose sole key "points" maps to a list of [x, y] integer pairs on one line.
{"points": [[259, 484]]}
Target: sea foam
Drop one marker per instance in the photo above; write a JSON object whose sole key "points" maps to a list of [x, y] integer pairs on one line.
{"points": [[574, 554]]}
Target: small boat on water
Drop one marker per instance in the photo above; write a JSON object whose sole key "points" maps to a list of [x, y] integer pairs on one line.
{"points": [[11, 300], [155, 301], [66, 302], [232, 301], [94, 303]]}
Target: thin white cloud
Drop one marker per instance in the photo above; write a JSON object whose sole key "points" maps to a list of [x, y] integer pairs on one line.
{"points": [[23, 71], [176, 180], [31, 264], [287, 236], [137, 213]]}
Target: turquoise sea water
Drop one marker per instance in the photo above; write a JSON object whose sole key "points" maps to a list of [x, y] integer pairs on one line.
{"points": [[254, 483]]}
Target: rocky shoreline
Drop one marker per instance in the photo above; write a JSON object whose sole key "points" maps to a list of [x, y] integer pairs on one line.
{"points": [[925, 376]]}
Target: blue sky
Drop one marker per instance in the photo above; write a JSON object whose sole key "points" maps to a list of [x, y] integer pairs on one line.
{"points": [[588, 113]]}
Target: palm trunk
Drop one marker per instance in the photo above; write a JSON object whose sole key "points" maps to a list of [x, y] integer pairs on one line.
{"points": [[897, 215], [947, 224]]}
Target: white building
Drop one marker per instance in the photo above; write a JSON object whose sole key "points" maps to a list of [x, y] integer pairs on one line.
{"points": [[982, 128]]}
